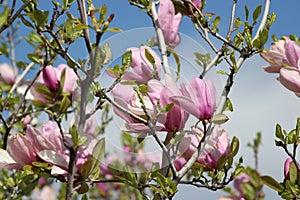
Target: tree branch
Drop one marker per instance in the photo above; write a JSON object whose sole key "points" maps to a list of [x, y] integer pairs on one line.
{"points": [[84, 20], [161, 40]]}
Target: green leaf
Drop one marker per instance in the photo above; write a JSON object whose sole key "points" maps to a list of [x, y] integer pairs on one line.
{"points": [[74, 134], [149, 57], [113, 29], [293, 173], [42, 89], [272, 183], [219, 119], [69, 29], [234, 146], [256, 13], [263, 36], [4, 16], [278, 132], [246, 12], [99, 150], [34, 58], [216, 23], [65, 104], [26, 22], [229, 105], [126, 59], [41, 17], [82, 140]]}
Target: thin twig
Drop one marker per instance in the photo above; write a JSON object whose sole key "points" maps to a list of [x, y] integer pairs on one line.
{"points": [[233, 8], [84, 20], [20, 78]]}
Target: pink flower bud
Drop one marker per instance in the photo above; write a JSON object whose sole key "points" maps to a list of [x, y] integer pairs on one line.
{"points": [[7, 74], [50, 78], [169, 22]]}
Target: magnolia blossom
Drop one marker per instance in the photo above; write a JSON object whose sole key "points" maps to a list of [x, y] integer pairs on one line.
{"points": [[142, 70], [126, 97], [23, 150], [175, 118], [243, 178], [215, 147], [7, 74], [45, 145], [276, 56], [199, 98], [284, 59], [51, 78], [169, 22], [197, 3]]}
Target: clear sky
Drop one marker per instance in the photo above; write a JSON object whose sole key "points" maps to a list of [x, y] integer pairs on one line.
{"points": [[259, 100]]}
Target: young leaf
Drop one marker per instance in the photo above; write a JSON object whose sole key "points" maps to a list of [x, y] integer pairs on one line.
{"points": [[234, 146], [65, 104], [272, 183], [219, 119], [126, 59], [278, 132], [256, 13], [149, 57], [4, 16]]}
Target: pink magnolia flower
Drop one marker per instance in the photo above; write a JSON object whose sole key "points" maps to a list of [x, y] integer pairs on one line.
{"points": [[216, 146], [175, 118], [199, 98], [284, 59], [51, 78], [287, 164], [7, 74], [126, 97], [141, 68], [276, 56], [197, 3], [23, 150], [169, 22]]}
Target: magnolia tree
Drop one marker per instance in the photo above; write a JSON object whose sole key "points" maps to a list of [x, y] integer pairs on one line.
{"points": [[58, 107]]}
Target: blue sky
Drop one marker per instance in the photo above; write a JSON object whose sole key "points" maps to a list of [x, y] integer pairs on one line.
{"points": [[259, 100]]}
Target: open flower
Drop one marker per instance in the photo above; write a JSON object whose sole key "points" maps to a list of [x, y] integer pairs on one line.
{"points": [[126, 97], [175, 118], [7, 74], [23, 150], [51, 78], [169, 22], [141, 69], [199, 98], [216, 146]]}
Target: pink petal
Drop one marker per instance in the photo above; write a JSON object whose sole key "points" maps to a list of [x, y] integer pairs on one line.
{"points": [[187, 104], [290, 78]]}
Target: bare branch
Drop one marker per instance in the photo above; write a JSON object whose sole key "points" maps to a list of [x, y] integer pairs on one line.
{"points": [[161, 40], [84, 20]]}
